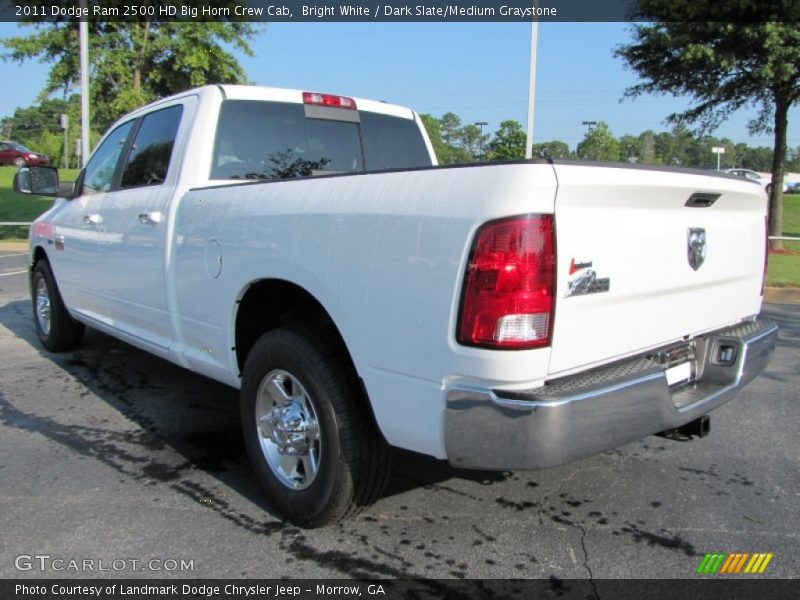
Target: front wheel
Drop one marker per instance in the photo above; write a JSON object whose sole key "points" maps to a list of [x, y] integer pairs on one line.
{"points": [[312, 442], [769, 189], [20, 162], [56, 329]]}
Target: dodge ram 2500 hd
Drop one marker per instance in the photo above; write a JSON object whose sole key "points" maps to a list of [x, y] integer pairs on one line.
{"points": [[306, 249]]}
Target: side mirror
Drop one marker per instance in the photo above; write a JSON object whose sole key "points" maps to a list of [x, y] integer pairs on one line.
{"points": [[42, 181]]}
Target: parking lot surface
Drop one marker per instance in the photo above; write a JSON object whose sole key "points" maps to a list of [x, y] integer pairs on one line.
{"points": [[110, 454]]}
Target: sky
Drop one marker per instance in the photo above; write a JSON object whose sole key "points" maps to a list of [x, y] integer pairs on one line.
{"points": [[477, 70]]}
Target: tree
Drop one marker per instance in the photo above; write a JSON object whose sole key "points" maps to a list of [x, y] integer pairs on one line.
{"points": [[758, 159], [446, 153], [472, 141], [450, 126], [39, 128], [599, 144], [434, 130], [792, 159], [133, 63], [717, 53], [554, 149], [508, 142], [630, 149]]}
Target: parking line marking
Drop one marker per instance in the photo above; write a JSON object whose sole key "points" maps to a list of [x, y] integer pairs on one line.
{"points": [[10, 255], [13, 273]]}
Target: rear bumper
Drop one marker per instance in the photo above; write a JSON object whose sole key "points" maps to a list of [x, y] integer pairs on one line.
{"points": [[601, 409]]}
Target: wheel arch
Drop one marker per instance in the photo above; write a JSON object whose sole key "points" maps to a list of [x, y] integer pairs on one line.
{"points": [[266, 304], [38, 254]]}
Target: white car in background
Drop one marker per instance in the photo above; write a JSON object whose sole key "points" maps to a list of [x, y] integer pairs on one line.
{"points": [[753, 175]]}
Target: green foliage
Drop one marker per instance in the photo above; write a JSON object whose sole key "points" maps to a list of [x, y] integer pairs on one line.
{"points": [[677, 147], [39, 128], [451, 141], [508, 142], [793, 159], [133, 63], [711, 51], [599, 144], [647, 148], [554, 149]]}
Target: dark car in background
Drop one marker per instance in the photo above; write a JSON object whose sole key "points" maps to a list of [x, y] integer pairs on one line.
{"points": [[12, 153]]}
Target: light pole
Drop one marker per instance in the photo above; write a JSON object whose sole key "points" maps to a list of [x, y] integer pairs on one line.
{"points": [[480, 139], [84, 61], [532, 85]]}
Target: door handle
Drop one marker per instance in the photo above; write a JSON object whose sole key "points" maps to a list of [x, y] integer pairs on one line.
{"points": [[151, 218], [92, 219]]}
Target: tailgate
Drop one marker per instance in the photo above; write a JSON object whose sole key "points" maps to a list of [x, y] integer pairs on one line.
{"points": [[628, 280]]}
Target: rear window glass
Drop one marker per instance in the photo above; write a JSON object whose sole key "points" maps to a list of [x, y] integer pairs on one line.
{"points": [[393, 143], [275, 140]]}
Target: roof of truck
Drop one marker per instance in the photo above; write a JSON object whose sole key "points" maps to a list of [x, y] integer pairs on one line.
{"points": [[273, 94]]}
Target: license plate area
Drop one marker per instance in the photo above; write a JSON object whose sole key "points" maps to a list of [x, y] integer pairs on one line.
{"points": [[679, 363], [679, 374]]}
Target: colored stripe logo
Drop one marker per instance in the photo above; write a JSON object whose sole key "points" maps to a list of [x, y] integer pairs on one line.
{"points": [[732, 564]]}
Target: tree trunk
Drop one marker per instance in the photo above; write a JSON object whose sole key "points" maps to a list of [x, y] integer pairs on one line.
{"points": [[137, 67], [778, 167]]}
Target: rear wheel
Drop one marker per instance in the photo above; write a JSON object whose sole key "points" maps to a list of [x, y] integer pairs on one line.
{"points": [[769, 188], [309, 434], [56, 329], [20, 162]]}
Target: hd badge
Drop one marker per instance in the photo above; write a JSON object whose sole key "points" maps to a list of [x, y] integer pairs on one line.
{"points": [[586, 281]]}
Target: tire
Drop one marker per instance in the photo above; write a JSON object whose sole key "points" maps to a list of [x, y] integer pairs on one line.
{"points": [[336, 462], [769, 189], [57, 331], [20, 162]]}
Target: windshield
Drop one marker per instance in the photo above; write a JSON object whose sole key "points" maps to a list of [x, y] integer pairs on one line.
{"points": [[276, 140]]}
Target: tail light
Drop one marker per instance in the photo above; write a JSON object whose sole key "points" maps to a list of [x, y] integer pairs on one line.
{"points": [[509, 285], [329, 100]]}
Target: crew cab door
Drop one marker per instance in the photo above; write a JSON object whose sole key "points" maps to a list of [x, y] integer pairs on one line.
{"points": [[79, 230], [135, 222]]}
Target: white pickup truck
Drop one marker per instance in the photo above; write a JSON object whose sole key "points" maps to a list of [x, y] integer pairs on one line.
{"points": [[306, 249]]}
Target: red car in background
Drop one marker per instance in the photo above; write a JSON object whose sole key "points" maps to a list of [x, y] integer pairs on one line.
{"points": [[18, 155]]}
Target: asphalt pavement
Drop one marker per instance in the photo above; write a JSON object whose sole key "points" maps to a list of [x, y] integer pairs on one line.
{"points": [[109, 454]]}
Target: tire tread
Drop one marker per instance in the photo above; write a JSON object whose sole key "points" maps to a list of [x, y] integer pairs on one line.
{"points": [[365, 455], [65, 332]]}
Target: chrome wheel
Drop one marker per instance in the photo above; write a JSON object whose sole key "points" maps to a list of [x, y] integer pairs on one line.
{"points": [[43, 306], [288, 429]]}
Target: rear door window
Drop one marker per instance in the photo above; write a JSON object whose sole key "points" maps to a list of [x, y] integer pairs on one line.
{"points": [[149, 157]]}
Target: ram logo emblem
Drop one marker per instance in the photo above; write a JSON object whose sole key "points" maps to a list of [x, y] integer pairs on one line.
{"points": [[697, 247]]}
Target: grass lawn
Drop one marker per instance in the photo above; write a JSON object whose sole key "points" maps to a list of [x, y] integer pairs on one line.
{"points": [[21, 207], [784, 269]]}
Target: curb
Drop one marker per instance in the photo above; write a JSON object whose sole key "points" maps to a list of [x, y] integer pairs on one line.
{"points": [[14, 246], [784, 295]]}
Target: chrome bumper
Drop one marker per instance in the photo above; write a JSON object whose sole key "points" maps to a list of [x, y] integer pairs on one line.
{"points": [[577, 416]]}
